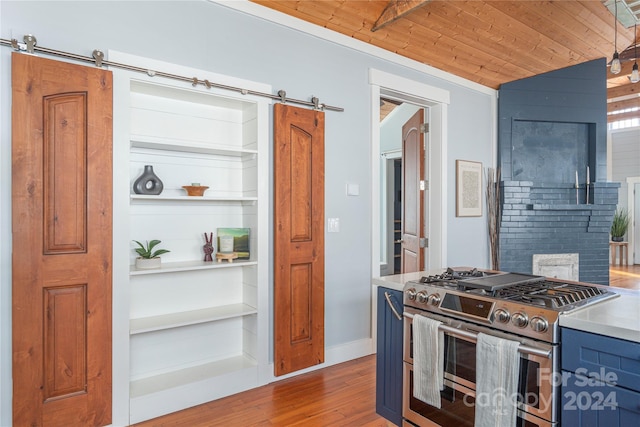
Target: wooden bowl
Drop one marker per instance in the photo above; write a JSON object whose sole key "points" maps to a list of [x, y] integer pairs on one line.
{"points": [[195, 190]]}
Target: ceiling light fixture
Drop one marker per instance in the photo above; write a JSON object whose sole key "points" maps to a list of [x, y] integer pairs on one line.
{"points": [[615, 63], [635, 75]]}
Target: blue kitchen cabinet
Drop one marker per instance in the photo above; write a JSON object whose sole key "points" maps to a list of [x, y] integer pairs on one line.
{"points": [[389, 355], [600, 381]]}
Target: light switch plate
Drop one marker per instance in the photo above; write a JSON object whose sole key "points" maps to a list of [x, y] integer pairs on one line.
{"points": [[353, 189], [333, 225]]}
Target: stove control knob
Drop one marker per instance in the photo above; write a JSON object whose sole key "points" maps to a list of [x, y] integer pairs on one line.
{"points": [[434, 299], [411, 294], [502, 315], [539, 324], [422, 297], [520, 320]]}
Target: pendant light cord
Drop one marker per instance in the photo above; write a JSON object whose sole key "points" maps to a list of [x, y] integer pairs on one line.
{"points": [[615, 35]]}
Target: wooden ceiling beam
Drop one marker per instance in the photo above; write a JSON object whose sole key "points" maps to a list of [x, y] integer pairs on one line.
{"points": [[395, 10], [628, 90], [623, 105], [623, 116]]}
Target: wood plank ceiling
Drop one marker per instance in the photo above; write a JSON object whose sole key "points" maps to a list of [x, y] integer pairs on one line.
{"points": [[489, 42]]}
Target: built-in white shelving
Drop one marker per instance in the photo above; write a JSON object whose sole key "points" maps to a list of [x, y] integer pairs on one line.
{"points": [[158, 143], [186, 376], [195, 199], [198, 330], [174, 267], [192, 317]]}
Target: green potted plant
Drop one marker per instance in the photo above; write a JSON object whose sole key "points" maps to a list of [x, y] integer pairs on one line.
{"points": [[148, 257], [620, 224]]}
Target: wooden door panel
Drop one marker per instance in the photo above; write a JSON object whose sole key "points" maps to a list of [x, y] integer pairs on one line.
{"points": [[298, 238], [65, 327], [65, 173], [301, 293], [412, 255], [62, 243], [301, 184]]}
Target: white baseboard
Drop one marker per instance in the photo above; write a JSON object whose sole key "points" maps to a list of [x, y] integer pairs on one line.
{"points": [[333, 356], [195, 393]]}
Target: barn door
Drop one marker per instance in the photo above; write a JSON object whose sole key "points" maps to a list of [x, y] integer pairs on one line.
{"points": [[298, 238], [61, 219], [412, 254]]}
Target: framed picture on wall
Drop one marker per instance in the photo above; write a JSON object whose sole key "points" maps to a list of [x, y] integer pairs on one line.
{"points": [[468, 188]]}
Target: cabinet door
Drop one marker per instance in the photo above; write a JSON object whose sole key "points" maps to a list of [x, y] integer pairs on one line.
{"points": [[389, 355], [615, 360], [590, 403]]}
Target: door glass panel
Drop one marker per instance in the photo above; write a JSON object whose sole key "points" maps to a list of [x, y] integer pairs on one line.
{"points": [[460, 358], [528, 387], [457, 410]]}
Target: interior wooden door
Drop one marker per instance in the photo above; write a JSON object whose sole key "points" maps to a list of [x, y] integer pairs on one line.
{"points": [[298, 238], [62, 234], [412, 255]]}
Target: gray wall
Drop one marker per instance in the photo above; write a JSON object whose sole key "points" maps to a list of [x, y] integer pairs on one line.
{"points": [[211, 36]]}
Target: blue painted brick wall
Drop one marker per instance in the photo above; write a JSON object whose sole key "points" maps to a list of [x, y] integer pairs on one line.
{"points": [[533, 223], [541, 215]]}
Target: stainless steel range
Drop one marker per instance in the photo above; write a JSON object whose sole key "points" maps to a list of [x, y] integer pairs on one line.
{"points": [[514, 306]]}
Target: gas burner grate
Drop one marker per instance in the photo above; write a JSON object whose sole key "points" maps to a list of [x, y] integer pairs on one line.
{"points": [[549, 294], [451, 276]]}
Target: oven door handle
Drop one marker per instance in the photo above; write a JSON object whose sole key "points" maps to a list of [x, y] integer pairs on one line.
{"points": [[473, 337], [387, 296]]}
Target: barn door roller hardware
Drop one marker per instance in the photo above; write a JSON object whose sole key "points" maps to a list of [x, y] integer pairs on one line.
{"points": [[29, 45]]}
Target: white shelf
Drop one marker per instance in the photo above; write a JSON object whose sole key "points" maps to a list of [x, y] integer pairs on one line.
{"points": [[179, 356], [173, 267], [193, 317], [160, 198], [181, 377], [157, 143]]}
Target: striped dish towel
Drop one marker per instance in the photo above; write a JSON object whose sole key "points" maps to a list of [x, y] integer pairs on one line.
{"points": [[428, 360], [497, 369]]}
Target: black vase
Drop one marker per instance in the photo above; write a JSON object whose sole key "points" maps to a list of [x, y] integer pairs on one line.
{"points": [[148, 182]]}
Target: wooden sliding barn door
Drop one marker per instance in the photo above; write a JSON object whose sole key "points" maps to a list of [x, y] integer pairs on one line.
{"points": [[298, 238], [62, 233]]}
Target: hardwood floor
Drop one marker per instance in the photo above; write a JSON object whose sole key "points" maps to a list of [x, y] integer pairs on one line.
{"points": [[625, 276], [340, 395]]}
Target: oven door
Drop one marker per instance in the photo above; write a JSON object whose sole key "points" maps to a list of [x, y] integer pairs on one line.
{"points": [[457, 407], [535, 387]]}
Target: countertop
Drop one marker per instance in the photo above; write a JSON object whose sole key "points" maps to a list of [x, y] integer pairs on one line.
{"points": [[617, 317], [397, 281]]}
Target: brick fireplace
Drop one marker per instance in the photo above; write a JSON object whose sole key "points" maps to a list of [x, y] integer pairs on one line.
{"points": [[552, 127]]}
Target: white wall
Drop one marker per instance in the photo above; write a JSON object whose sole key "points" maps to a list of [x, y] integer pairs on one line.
{"points": [[214, 37], [624, 167], [625, 158]]}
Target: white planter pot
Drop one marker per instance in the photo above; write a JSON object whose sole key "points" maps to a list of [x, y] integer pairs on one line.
{"points": [[147, 263]]}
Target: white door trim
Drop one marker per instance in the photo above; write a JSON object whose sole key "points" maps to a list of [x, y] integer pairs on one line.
{"points": [[633, 255], [436, 101]]}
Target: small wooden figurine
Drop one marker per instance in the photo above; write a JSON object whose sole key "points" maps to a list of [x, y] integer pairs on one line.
{"points": [[208, 247]]}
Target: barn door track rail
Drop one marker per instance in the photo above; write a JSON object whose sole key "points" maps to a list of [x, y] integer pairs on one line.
{"points": [[29, 45]]}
